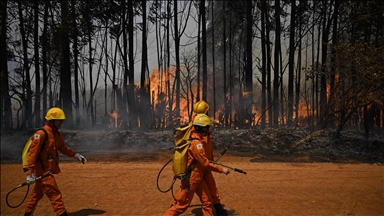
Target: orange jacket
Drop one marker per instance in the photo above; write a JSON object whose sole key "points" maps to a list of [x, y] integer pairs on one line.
{"points": [[55, 143], [197, 151]]}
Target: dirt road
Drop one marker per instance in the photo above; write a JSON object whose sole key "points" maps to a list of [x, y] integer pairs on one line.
{"points": [[129, 188]]}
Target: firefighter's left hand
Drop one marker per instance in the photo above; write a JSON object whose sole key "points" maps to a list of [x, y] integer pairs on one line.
{"points": [[81, 158]]}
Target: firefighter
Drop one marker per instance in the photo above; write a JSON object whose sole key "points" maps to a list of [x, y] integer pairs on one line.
{"points": [[201, 107], [48, 162], [194, 182]]}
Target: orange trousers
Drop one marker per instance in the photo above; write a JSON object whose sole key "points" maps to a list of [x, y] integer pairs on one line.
{"points": [[184, 198], [47, 186], [211, 184]]}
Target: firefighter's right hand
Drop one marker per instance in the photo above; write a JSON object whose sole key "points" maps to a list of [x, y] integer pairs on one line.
{"points": [[226, 171], [31, 178]]}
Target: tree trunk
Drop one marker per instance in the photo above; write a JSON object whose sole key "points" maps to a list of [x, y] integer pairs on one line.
{"points": [[37, 64], [291, 64], [144, 97], [76, 65], [27, 91], [168, 66], [204, 49], [249, 71], [65, 78], [324, 112], [177, 59], [277, 65], [131, 72], [248, 88], [44, 56], [268, 66], [263, 64], [213, 64], [5, 100], [225, 67]]}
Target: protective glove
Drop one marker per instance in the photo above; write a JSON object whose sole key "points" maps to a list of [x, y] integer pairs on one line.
{"points": [[31, 178], [81, 158], [226, 171]]}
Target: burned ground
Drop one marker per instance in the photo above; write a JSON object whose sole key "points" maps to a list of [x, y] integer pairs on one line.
{"points": [[268, 145]]}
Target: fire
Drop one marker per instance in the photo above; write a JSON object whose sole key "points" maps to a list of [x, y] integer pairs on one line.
{"points": [[115, 117], [160, 96], [161, 82]]}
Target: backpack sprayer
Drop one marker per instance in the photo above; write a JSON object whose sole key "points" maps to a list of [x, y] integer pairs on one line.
{"points": [[174, 178], [22, 185]]}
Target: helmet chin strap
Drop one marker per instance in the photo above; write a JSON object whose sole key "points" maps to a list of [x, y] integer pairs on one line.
{"points": [[52, 122]]}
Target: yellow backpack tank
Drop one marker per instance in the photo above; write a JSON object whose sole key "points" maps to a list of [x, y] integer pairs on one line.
{"points": [[25, 153], [180, 154]]}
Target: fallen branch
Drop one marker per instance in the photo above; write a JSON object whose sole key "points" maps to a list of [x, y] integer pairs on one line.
{"points": [[307, 138]]}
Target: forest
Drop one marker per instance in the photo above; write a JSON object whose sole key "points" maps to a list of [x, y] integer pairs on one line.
{"points": [[143, 64]]}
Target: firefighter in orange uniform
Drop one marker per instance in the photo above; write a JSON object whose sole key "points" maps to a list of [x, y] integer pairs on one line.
{"points": [[195, 183], [48, 162], [201, 107]]}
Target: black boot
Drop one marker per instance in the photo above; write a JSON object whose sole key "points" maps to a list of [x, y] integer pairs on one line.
{"points": [[220, 211], [64, 214], [27, 214]]}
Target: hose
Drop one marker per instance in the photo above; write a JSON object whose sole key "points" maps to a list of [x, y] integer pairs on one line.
{"points": [[26, 194], [172, 183]]}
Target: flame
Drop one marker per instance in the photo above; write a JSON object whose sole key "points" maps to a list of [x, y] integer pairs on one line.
{"points": [[159, 82], [162, 81], [115, 116]]}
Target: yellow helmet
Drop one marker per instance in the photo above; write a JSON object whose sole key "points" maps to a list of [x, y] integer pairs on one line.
{"points": [[200, 107], [201, 120], [55, 113]]}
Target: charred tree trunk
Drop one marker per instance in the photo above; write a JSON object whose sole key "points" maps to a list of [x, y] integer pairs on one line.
{"points": [[37, 64], [291, 64], [65, 78], [263, 63], [27, 91], [5, 100], [44, 56], [177, 56], [277, 65], [132, 120], [204, 49]]}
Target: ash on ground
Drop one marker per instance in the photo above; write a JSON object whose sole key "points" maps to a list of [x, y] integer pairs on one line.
{"points": [[268, 145]]}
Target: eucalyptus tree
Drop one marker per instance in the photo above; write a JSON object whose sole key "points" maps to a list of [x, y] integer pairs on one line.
{"points": [[38, 119], [204, 48], [5, 100], [44, 55], [264, 65], [65, 65], [130, 71], [291, 64], [160, 13], [179, 30], [213, 22], [326, 12], [230, 26], [277, 65], [26, 95], [144, 87]]}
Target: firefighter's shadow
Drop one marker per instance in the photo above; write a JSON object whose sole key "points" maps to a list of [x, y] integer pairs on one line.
{"points": [[86, 212], [197, 211]]}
